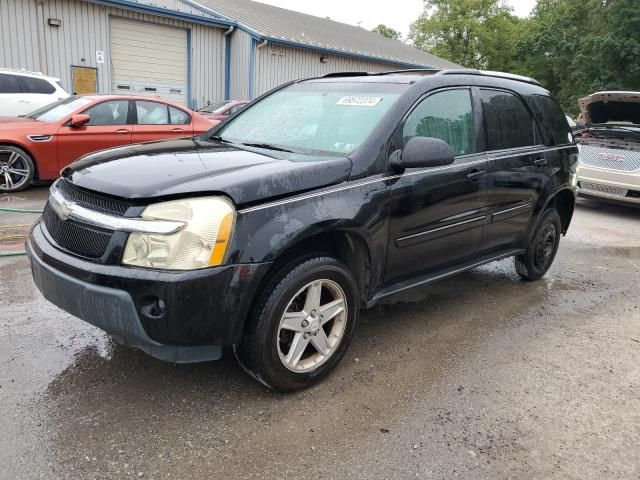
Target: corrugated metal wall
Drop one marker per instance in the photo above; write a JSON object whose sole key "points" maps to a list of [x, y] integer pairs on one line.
{"points": [[27, 41], [19, 35], [240, 53], [276, 64]]}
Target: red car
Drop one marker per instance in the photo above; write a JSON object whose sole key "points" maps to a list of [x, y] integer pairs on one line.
{"points": [[217, 112], [42, 143]]}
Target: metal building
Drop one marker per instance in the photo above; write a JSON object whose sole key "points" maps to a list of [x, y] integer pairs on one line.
{"points": [[193, 52]]}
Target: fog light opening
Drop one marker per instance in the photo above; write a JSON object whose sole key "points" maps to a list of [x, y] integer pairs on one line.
{"points": [[153, 307]]}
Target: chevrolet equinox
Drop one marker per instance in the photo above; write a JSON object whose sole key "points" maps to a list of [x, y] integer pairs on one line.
{"points": [[271, 232]]}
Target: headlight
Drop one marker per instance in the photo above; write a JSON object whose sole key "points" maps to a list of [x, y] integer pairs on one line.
{"points": [[201, 243]]}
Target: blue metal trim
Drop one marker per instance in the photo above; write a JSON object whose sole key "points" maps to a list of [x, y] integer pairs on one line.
{"points": [[252, 66], [191, 102], [227, 67], [165, 12]]}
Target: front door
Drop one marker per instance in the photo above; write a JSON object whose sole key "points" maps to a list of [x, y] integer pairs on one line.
{"points": [[109, 127], [438, 214], [85, 80]]}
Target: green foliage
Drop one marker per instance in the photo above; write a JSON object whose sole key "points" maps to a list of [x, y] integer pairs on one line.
{"points": [[387, 32], [573, 47], [473, 33]]}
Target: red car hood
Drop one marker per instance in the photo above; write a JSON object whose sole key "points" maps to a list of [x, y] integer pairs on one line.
{"points": [[20, 123]]}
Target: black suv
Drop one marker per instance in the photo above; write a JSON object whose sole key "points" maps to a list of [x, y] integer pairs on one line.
{"points": [[270, 232]]}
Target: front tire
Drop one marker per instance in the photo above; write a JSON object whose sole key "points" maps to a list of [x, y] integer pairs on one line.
{"points": [[16, 169], [302, 324], [542, 249]]}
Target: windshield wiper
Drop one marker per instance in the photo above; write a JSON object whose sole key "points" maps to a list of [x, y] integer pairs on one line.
{"points": [[268, 146], [218, 138]]}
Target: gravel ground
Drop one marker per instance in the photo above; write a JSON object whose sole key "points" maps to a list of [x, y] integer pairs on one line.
{"points": [[481, 376]]}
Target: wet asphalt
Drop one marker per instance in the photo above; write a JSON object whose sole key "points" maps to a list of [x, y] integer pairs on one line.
{"points": [[482, 376]]}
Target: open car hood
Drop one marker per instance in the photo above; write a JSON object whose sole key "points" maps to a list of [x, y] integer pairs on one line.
{"points": [[610, 107]]}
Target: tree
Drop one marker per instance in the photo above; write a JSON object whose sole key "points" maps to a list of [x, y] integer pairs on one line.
{"points": [[577, 47], [473, 33], [387, 32]]}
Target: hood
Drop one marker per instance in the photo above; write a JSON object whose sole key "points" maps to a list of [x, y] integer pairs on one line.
{"points": [[195, 166], [610, 107], [13, 123]]}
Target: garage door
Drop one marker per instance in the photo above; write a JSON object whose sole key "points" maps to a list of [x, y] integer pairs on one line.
{"points": [[149, 59]]}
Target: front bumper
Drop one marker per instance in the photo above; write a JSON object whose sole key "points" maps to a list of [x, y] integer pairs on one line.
{"points": [[609, 184], [201, 310]]}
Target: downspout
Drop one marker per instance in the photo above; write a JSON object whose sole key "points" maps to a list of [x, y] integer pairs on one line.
{"points": [[252, 64], [227, 62]]}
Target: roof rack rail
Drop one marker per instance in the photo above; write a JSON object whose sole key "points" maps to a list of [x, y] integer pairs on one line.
{"points": [[346, 74], [21, 70], [490, 73]]}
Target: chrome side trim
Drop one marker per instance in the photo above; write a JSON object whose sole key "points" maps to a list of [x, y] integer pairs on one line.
{"points": [[390, 177], [68, 210], [501, 212], [40, 138], [433, 230]]}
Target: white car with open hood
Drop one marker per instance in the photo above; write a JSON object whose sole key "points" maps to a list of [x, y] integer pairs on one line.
{"points": [[609, 146]]}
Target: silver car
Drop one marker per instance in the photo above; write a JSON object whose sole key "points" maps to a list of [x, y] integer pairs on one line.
{"points": [[609, 146]]}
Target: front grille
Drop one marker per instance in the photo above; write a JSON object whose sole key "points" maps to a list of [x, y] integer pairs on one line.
{"points": [[610, 189], [92, 200], [75, 237], [610, 158]]}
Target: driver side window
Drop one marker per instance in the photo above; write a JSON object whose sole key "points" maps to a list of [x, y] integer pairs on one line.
{"points": [[446, 115], [108, 113]]}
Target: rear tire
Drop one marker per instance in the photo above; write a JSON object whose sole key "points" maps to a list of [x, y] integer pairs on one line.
{"points": [[16, 169], [302, 324], [542, 249]]}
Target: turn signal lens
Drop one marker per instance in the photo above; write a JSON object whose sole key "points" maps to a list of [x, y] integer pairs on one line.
{"points": [[202, 242]]}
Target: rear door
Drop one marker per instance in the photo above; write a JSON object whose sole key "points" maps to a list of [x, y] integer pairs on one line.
{"points": [[159, 121], [109, 127], [13, 101], [517, 168], [438, 213]]}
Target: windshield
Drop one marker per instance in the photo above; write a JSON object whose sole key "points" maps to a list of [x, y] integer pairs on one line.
{"points": [[58, 110], [314, 117], [214, 107]]}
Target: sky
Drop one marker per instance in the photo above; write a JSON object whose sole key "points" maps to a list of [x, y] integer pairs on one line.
{"points": [[397, 14]]}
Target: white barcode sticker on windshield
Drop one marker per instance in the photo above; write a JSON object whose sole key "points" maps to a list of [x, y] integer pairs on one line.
{"points": [[360, 101]]}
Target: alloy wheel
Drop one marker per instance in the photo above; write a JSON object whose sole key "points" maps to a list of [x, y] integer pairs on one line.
{"points": [[312, 326], [14, 170]]}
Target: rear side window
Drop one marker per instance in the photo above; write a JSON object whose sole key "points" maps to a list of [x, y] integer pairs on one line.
{"points": [[178, 117], [551, 119], [37, 85], [507, 121], [9, 84], [445, 115], [152, 113]]}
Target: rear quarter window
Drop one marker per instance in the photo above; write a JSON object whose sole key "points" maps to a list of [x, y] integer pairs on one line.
{"points": [[551, 119], [37, 85]]}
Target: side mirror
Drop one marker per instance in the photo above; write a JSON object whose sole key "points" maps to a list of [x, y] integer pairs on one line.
{"points": [[423, 152], [79, 120]]}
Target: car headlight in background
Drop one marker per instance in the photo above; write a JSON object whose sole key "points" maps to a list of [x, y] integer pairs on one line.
{"points": [[201, 243]]}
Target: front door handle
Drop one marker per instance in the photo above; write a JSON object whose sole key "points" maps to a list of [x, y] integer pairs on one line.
{"points": [[540, 162], [122, 131], [474, 175], [177, 130]]}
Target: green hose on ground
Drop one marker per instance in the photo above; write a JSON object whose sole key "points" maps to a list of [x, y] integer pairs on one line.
{"points": [[12, 254], [19, 210]]}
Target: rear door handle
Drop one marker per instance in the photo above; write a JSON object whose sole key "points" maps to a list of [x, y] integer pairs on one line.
{"points": [[474, 175], [540, 162], [122, 131]]}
